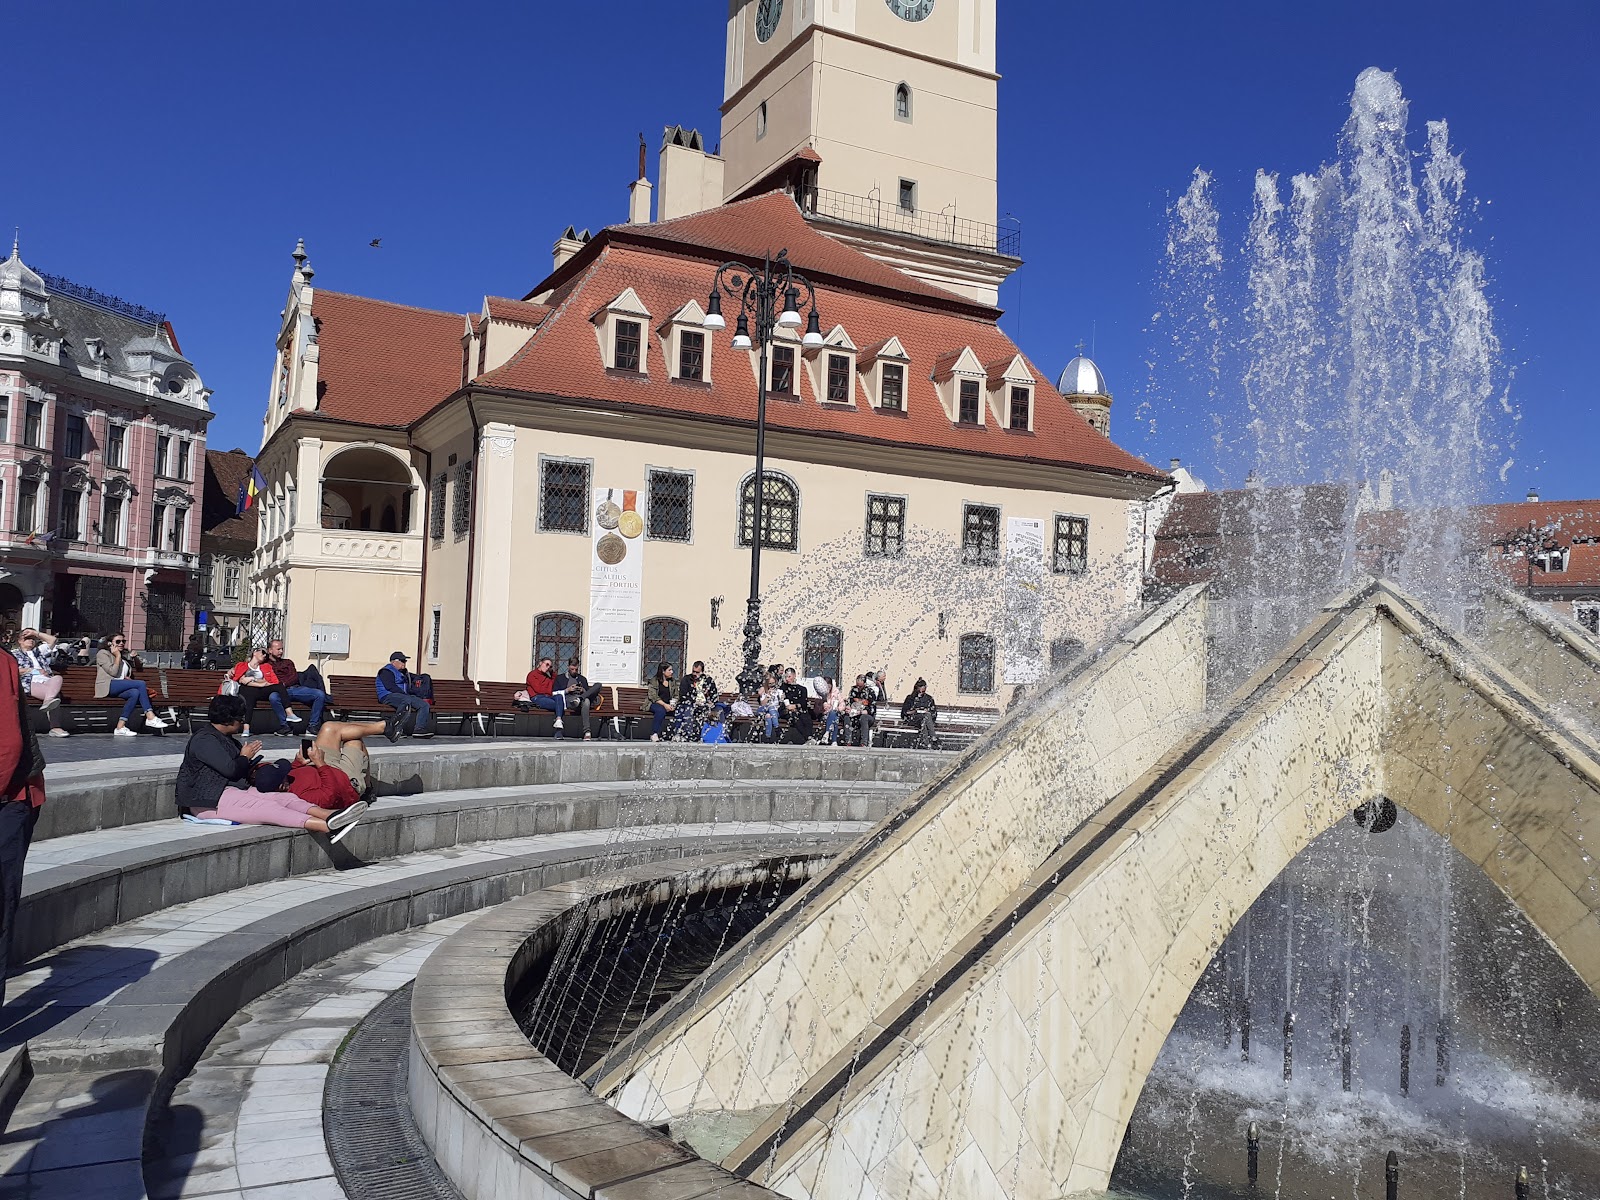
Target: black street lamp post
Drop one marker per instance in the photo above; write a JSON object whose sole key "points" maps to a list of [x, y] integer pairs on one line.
{"points": [[766, 300]]}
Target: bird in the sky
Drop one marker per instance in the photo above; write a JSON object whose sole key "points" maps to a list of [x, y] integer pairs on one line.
{"points": [[375, 243]]}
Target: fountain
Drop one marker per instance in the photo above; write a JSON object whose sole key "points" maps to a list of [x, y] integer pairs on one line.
{"points": [[1282, 889]]}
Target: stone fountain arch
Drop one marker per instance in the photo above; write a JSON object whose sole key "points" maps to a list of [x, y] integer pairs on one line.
{"points": [[1014, 1066]]}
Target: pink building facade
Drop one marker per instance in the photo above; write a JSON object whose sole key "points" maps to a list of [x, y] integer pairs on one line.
{"points": [[102, 465]]}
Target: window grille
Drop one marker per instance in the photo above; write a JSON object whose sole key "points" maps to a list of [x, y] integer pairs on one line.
{"points": [[628, 343], [980, 535], [839, 378], [783, 370], [116, 445], [886, 526], [967, 414], [435, 629], [563, 496], [1070, 554], [691, 354], [977, 663], [461, 516], [1064, 650], [436, 502], [669, 506], [822, 651], [894, 386], [1019, 407], [666, 640], [73, 439], [557, 636], [780, 513], [93, 604]]}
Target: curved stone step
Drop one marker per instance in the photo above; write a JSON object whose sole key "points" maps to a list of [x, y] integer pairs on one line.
{"points": [[118, 1020], [84, 882], [115, 792]]}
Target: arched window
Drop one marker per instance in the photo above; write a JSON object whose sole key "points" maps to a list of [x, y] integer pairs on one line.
{"points": [[902, 103], [557, 636], [366, 488], [780, 512], [666, 640], [977, 663], [761, 121], [822, 651]]}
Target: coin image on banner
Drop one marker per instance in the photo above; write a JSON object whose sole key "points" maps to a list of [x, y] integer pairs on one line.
{"points": [[630, 524], [611, 549], [607, 514]]}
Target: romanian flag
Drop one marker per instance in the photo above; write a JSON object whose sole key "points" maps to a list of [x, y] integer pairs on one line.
{"points": [[252, 487]]}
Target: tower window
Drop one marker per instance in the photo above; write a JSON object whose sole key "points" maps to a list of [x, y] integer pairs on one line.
{"points": [[902, 103], [908, 195], [761, 121]]}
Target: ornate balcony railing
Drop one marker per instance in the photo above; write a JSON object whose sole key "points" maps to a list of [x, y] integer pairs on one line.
{"points": [[945, 227], [112, 304]]}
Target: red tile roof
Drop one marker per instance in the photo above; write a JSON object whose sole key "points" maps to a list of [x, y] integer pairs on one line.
{"points": [[563, 360], [380, 363], [522, 312], [222, 530]]}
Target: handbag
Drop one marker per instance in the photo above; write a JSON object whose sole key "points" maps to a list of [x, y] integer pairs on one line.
{"points": [[230, 687]]}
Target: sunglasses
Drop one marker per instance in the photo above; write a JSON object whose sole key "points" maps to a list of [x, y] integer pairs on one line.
{"points": [[118, 642]]}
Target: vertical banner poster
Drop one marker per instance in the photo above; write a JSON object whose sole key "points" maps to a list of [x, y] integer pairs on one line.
{"points": [[616, 562], [1023, 615]]}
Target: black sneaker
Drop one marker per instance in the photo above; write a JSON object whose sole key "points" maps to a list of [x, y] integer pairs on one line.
{"points": [[408, 722], [394, 725]]}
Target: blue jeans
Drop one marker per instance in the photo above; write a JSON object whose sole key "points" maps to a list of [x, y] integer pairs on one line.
{"points": [[770, 716], [832, 719], [303, 694], [138, 695], [403, 700], [556, 703], [658, 718]]}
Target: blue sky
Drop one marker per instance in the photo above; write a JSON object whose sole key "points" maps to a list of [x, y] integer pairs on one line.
{"points": [[172, 153]]}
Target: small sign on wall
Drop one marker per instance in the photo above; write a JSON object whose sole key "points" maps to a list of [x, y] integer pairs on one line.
{"points": [[330, 639]]}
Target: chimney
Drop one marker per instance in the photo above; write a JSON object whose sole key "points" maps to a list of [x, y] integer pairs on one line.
{"points": [[1385, 489], [568, 244], [1533, 495], [639, 193], [690, 179], [1175, 464]]}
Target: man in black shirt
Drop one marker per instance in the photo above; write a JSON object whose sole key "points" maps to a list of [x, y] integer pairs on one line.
{"points": [[795, 713], [919, 712], [579, 691]]}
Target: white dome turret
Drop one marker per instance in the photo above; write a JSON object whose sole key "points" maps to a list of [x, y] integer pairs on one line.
{"points": [[21, 288], [1085, 389]]}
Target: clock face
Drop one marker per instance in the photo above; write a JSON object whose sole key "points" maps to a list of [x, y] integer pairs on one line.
{"points": [[767, 14], [910, 10]]}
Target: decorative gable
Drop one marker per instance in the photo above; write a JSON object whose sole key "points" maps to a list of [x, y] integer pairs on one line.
{"points": [[1011, 387], [620, 330], [832, 367], [956, 375], [885, 371], [686, 344]]}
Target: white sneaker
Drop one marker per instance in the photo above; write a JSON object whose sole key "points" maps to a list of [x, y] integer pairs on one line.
{"points": [[558, 722], [343, 821], [294, 719], [154, 722], [59, 733], [123, 731]]}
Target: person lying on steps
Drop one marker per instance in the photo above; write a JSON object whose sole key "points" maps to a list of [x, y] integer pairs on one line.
{"points": [[214, 781]]}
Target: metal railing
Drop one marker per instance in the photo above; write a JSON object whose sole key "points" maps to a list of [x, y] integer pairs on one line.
{"points": [[62, 286], [876, 213]]}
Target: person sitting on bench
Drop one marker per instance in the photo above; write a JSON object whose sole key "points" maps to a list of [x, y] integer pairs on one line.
{"points": [[255, 680], [214, 780], [35, 654], [580, 693], [406, 694], [113, 677], [293, 688], [542, 692], [795, 711], [920, 713]]}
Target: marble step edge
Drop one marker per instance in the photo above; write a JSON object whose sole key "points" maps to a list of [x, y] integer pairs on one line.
{"points": [[72, 900], [104, 795]]}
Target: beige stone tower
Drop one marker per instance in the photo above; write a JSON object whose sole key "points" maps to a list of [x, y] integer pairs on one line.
{"points": [[897, 98]]}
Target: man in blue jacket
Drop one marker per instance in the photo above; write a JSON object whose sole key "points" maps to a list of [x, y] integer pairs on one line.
{"points": [[399, 689]]}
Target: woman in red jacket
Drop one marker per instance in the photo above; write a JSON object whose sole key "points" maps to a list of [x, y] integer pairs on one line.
{"points": [[255, 681]]}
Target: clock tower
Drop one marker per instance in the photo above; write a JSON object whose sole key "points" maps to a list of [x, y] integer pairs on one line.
{"points": [[897, 98]]}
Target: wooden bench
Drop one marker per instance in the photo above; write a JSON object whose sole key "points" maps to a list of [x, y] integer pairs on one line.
{"points": [[959, 726]]}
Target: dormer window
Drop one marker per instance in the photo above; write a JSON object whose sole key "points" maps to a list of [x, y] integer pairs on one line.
{"points": [[619, 328], [893, 388], [691, 355], [1021, 415], [629, 338], [783, 381], [838, 378], [967, 412], [1552, 560]]}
